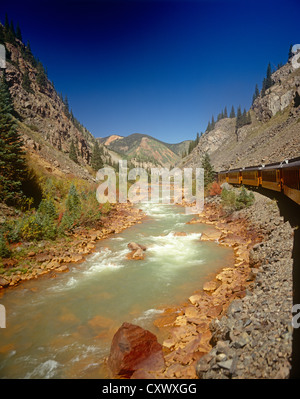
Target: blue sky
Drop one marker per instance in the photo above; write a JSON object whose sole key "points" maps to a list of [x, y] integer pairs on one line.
{"points": [[161, 68]]}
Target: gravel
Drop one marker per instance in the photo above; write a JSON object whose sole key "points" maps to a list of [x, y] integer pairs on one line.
{"points": [[254, 338]]}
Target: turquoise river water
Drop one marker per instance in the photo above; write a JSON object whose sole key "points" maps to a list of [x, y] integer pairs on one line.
{"points": [[62, 327]]}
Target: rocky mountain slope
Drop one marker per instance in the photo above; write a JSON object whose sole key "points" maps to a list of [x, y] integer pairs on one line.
{"points": [[46, 127], [145, 150], [273, 135]]}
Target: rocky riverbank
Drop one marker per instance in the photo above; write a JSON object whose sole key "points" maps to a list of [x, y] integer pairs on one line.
{"points": [[49, 258], [239, 324]]}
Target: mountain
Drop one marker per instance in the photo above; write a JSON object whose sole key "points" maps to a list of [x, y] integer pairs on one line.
{"points": [[145, 150], [45, 122], [48, 127], [273, 134]]}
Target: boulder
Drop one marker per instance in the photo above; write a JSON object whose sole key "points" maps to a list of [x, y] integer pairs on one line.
{"points": [[138, 254], [134, 246], [137, 251], [132, 349], [3, 282]]}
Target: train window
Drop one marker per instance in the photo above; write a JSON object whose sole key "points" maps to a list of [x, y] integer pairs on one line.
{"points": [[291, 178], [269, 175], [250, 174], [233, 175]]}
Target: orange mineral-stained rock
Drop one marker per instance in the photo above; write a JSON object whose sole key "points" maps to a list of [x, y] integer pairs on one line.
{"points": [[210, 286], [132, 349]]}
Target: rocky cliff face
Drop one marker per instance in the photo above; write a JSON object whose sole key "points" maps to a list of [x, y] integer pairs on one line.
{"points": [[273, 135], [285, 90], [46, 128]]}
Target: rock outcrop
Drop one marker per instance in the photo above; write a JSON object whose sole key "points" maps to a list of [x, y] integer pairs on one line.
{"points": [[134, 351], [273, 135]]}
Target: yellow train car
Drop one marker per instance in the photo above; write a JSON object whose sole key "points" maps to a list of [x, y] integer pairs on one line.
{"points": [[234, 176], [281, 177], [222, 177], [271, 177], [251, 176], [290, 173]]}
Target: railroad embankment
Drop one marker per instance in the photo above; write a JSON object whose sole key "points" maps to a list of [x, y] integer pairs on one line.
{"points": [[254, 338]]}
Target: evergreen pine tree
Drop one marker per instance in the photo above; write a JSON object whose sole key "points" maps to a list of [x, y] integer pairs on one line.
{"points": [[96, 161], [248, 118], [238, 117], [1, 35], [12, 29], [26, 84], [18, 32], [244, 118], [232, 112], [263, 89], [41, 76], [28, 56], [66, 106], [72, 152], [212, 122], [225, 112], [12, 162], [6, 23], [208, 170], [208, 129], [256, 93], [9, 30], [269, 80]]}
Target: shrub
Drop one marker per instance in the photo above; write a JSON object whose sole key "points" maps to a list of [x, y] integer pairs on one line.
{"points": [[4, 249], [11, 230], [72, 214], [228, 199], [215, 189], [41, 224], [232, 202], [244, 199]]}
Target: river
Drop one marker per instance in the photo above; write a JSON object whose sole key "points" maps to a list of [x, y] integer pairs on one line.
{"points": [[62, 327]]}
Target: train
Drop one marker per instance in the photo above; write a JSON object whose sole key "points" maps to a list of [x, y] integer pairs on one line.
{"points": [[281, 177]]}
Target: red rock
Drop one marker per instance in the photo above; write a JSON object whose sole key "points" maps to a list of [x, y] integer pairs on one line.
{"points": [[134, 348]]}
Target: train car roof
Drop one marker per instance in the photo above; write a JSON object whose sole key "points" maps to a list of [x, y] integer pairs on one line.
{"points": [[250, 168], [234, 170], [290, 164], [287, 163]]}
